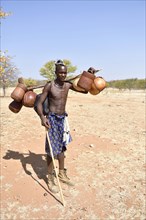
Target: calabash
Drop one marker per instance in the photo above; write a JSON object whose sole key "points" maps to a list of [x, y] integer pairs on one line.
{"points": [[94, 90], [29, 99], [100, 83]]}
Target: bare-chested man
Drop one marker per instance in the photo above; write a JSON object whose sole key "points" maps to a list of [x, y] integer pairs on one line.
{"points": [[56, 122]]}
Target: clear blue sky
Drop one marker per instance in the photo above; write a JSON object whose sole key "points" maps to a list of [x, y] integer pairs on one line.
{"points": [[103, 34]]}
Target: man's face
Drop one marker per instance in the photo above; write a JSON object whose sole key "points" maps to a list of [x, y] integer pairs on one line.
{"points": [[61, 72]]}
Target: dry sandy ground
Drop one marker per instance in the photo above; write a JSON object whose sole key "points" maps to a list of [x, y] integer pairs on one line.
{"points": [[105, 160]]}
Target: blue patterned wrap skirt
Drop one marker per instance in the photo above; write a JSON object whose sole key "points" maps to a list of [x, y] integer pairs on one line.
{"points": [[59, 134]]}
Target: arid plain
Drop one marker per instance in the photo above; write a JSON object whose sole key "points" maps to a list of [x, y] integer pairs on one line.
{"points": [[106, 160]]}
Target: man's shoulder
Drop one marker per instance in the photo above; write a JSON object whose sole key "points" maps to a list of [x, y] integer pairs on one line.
{"points": [[49, 82], [47, 86], [68, 84]]}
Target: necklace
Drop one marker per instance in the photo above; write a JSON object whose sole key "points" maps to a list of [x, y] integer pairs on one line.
{"points": [[57, 85]]}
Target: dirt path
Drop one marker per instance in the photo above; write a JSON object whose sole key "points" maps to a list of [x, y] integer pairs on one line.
{"points": [[105, 160]]}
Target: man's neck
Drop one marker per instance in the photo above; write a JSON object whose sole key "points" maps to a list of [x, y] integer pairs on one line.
{"points": [[58, 83]]}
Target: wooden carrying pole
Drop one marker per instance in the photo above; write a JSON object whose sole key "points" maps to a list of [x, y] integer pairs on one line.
{"points": [[20, 80], [51, 152]]}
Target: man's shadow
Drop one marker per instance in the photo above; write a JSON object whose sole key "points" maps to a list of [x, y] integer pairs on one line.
{"points": [[35, 160]]}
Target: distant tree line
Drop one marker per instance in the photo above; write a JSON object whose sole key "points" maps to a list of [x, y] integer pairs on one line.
{"points": [[127, 84], [28, 82]]}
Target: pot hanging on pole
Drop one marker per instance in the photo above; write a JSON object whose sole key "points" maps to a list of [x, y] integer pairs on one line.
{"points": [[18, 92]]}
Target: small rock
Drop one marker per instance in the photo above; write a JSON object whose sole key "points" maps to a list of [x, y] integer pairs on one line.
{"points": [[84, 209], [91, 145]]}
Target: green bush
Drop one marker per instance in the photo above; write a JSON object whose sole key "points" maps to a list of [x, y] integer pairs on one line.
{"points": [[127, 84]]}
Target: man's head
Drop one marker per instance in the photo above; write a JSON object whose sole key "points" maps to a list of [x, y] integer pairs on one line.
{"points": [[60, 70]]}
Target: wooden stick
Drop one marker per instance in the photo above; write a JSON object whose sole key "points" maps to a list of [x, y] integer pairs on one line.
{"points": [[21, 80], [60, 189], [35, 87], [73, 78]]}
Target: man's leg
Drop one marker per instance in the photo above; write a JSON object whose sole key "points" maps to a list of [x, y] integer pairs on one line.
{"points": [[51, 176], [60, 158], [62, 171], [50, 164]]}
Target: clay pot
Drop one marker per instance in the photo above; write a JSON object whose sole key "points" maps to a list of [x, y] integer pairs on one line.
{"points": [[19, 92], [94, 90], [78, 88], [100, 83], [29, 99], [86, 80], [15, 106]]}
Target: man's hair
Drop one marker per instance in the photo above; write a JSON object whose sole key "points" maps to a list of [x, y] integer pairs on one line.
{"points": [[59, 63]]}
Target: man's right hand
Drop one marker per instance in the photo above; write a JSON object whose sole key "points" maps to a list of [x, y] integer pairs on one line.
{"points": [[45, 122]]}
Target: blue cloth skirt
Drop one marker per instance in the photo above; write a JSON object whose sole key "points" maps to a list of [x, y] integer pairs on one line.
{"points": [[59, 134]]}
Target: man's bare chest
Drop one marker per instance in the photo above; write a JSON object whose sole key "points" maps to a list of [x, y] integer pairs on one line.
{"points": [[58, 93]]}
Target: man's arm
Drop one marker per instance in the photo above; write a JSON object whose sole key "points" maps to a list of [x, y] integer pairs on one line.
{"points": [[41, 100]]}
